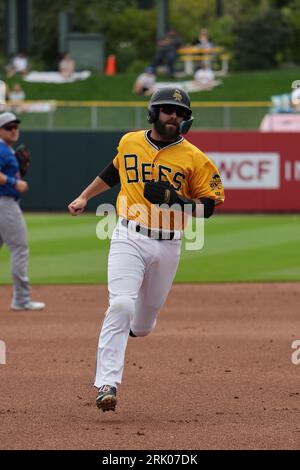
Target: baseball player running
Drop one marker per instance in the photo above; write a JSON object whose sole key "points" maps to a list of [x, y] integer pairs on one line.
{"points": [[161, 174]]}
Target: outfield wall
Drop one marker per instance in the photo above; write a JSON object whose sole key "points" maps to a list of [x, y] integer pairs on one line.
{"points": [[63, 163], [261, 171]]}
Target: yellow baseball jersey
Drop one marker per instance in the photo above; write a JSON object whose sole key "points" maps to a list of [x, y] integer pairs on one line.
{"points": [[182, 164]]}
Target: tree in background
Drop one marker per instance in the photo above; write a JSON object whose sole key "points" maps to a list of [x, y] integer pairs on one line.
{"points": [[189, 16], [3, 59], [262, 42], [129, 32], [260, 34], [131, 35], [291, 13], [44, 32]]}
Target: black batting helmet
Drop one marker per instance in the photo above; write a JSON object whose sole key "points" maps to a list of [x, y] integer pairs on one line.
{"points": [[171, 95]]}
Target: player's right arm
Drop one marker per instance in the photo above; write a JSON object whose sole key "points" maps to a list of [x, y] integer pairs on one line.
{"points": [[108, 178], [97, 186]]}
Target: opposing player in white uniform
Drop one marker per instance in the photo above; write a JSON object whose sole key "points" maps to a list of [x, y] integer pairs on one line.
{"points": [[154, 167]]}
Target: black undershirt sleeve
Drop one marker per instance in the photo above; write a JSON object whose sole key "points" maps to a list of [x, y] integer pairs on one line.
{"points": [[209, 206], [110, 175]]}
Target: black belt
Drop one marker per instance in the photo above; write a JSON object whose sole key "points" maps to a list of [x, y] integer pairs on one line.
{"points": [[148, 232]]}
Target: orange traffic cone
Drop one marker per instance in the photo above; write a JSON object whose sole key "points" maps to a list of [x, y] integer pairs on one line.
{"points": [[110, 68]]}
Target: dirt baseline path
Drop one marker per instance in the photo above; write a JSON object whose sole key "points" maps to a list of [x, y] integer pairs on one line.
{"points": [[216, 373]]}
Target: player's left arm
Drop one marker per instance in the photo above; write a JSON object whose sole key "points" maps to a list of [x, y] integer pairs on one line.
{"points": [[205, 186], [162, 192]]}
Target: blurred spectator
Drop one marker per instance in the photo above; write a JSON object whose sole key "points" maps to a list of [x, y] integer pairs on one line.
{"points": [[166, 52], [295, 99], [281, 104], [204, 77], [144, 84], [3, 95], [15, 96], [66, 65], [203, 41], [18, 65], [17, 93], [4, 90]]}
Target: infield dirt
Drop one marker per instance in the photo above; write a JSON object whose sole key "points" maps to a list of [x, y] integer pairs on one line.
{"points": [[216, 373]]}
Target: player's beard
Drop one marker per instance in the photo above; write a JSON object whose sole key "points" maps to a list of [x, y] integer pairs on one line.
{"points": [[168, 133]]}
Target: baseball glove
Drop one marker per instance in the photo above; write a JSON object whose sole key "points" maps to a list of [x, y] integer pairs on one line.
{"points": [[23, 156], [160, 192]]}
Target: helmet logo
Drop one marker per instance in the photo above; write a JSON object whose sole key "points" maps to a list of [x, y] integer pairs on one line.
{"points": [[177, 95]]}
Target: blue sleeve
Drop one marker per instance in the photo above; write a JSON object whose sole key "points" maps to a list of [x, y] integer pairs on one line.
{"points": [[3, 156]]}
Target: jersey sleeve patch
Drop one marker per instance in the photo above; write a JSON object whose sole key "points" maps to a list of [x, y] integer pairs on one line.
{"points": [[206, 182]]}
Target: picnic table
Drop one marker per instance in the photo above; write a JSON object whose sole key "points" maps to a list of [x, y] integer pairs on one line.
{"points": [[192, 55]]}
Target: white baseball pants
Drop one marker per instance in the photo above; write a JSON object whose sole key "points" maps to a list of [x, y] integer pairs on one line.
{"points": [[140, 275]]}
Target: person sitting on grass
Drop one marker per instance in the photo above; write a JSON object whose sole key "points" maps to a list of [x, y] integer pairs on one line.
{"points": [[16, 94], [18, 65], [295, 99], [66, 65], [144, 84], [204, 77]]}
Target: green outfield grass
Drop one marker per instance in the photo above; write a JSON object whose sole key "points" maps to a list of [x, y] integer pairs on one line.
{"points": [[237, 86], [244, 248]]}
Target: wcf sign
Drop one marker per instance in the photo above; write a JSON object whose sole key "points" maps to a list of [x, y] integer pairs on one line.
{"points": [[248, 170]]}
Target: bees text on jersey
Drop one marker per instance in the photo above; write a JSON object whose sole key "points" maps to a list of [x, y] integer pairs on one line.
{"points": [[182, 164]]}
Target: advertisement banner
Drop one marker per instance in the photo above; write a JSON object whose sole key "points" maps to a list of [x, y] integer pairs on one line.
{"points": [[260, 171]]}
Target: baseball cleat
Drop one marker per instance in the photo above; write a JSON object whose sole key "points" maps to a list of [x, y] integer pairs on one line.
{"points": [[106, 399], [29, 306], [132, 334]]}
